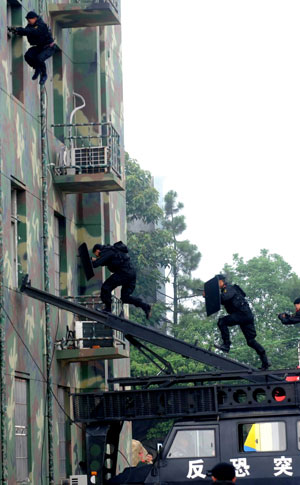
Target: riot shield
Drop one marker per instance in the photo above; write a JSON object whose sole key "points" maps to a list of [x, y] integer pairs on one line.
{"points": [[86, 261], [212, 296]]}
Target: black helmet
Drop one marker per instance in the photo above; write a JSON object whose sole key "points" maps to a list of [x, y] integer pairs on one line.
{"points": [[31, 15], [221, 277]]}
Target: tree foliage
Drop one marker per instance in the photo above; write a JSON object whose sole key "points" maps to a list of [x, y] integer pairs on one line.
{"points": [[271, 287], [267, 279], [141, 197], [185, 256]]}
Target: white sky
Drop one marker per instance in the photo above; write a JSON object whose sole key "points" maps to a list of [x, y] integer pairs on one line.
{"points": [[212, 102]]}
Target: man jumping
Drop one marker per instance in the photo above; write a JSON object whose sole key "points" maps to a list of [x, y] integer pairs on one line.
{"points": [[239, 313], [39, 36], [117, 260]]}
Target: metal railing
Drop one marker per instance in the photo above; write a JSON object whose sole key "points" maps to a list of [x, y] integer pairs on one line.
{"points": [[89, 148]]}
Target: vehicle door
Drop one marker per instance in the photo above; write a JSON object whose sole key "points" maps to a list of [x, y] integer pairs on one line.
{"points": [[188, 454], [263, 450]]}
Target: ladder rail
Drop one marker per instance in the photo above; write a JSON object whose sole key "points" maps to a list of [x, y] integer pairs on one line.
{"points": [[142, 332]]}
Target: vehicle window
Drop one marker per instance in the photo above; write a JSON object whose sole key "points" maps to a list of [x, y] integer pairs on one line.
{"points": [[298, 434], [193, 443], [268, 436]]}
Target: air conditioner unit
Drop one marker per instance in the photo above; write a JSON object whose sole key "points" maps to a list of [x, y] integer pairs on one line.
{"points": [[86, 330], [78, 334], [91, 334], [90, 159], [64, 162], [78, 480]]}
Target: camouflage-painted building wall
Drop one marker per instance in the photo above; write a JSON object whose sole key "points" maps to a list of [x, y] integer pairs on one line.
{"points": [[88, 62]]}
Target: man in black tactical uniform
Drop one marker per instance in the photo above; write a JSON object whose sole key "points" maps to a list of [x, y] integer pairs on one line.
{"points": [[239, 313], [223, 473], [288, 319], [39, 36], [117, 260]]}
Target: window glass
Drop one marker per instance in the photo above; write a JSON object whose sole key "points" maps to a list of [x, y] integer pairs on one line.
{"points": [[14, 238], [193, 443], [21, 431], [298, 434], [258, 437], [56, 253], [62, 432]]}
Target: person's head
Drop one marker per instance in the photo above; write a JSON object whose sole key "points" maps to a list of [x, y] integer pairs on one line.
{"points": [[222, 280], [297, 304], [223, 471], [31, 17], [97, 249]]}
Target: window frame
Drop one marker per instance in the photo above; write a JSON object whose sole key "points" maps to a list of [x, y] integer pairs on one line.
{"points": [[197, 454], [241, 441], [23, 428]]}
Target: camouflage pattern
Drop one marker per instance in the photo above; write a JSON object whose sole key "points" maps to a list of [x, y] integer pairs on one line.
{"points": [[89, 62], [84, 13]]}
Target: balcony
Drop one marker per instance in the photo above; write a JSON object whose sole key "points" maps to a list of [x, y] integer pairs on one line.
{"points": [[85, 13], [90, 160], [92, 340]]}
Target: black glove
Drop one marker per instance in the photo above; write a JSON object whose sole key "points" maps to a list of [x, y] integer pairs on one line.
{"points": [[13, 30], [283, 316]]}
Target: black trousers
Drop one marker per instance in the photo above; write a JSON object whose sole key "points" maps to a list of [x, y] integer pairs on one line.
{"points": [[127, 280], [36, 57], [246, 322]]}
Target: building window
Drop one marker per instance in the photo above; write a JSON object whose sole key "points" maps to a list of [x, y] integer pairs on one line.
{"points": [[63, 432], [18, 235], [59, 253], [15, 51], [14, 237], [9, 47], [193, 442], [56, 257], [21, 430], [58, 98], [260, 437]]}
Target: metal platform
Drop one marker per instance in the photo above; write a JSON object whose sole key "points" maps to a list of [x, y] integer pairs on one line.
{"points": [[131, 329]]}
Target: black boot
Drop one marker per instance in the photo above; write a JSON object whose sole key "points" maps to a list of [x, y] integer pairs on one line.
{"points": [[37, 72], [43, 78], [224, 347], [106, 309], [148, 311], [265, 364]]}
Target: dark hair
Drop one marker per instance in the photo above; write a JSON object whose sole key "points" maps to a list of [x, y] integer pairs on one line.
{"points": [[297, 301], [98, 246], [223, 471]]}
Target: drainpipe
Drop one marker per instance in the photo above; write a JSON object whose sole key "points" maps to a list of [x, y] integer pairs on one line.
{"points": [[45, 166], [3, 433]]}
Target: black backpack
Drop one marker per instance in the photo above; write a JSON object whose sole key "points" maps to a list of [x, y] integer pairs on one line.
{"points": [[121, 256], [240, 291]]}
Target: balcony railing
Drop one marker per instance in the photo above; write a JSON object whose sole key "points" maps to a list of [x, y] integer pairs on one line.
{"points": [[90, 160], [92, 340], [85, 13]]}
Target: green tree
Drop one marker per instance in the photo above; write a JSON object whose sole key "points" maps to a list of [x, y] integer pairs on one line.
{"points": [[271, 287], [149, 248], [185, 256], [141, 197]]}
